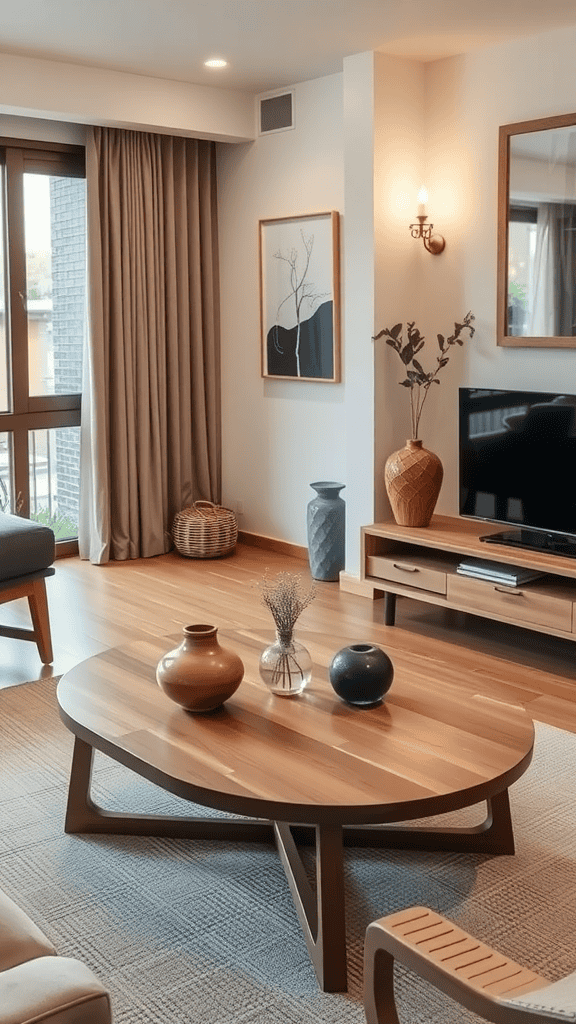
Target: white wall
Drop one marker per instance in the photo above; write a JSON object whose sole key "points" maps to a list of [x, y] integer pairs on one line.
{"points": [[468, 98], [55, 90], [399, 175], [360, 74], [544, 180], [278, 436], [357, 148], [384, 108], [39, 130]]}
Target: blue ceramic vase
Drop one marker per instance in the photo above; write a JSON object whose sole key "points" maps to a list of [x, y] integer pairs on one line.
{"points": [[361, 674], [326, 523]]}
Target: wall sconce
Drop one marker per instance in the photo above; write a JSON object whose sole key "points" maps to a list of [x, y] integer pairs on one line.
{"points": [[434, 244]]}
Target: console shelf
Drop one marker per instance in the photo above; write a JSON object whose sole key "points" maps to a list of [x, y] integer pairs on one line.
{"points": [[421, 563]]}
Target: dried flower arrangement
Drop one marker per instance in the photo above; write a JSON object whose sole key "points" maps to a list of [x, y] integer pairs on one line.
{"points": [[416, 377], [285, 596], [285, 666]]}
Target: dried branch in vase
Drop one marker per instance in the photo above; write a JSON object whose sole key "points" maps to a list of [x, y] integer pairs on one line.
{"points": [[286, 597], [417, 379]]}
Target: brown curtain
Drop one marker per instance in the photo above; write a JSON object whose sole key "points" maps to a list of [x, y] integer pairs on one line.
{"points": [[151, 407]]}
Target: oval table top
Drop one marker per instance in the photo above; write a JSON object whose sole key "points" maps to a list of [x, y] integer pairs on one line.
{"points": [[430, 747]]}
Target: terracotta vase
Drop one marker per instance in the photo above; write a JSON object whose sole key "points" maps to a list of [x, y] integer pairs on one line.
{"points": [[413, 477], [199, 674]]}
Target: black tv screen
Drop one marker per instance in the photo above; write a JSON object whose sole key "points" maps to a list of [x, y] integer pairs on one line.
{"points": [[517, 454]]}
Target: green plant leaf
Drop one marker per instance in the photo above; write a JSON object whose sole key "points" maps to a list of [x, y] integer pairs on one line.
{"points": [[64, 528]]}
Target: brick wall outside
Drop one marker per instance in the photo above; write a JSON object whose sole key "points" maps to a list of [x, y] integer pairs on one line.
{"points": [[68, 227]]}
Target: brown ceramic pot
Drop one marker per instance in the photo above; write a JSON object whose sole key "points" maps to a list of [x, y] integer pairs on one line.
{"points": [[413, 478], [199, 674]]}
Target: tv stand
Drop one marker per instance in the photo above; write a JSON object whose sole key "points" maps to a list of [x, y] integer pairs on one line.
{"points": [[534, 540], [421, 562]]}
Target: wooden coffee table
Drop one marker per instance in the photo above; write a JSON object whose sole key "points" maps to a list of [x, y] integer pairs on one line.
{"points": [[306, 769]]}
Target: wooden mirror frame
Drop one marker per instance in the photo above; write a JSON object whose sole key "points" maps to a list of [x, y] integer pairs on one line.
{"points": [[505, 132]]}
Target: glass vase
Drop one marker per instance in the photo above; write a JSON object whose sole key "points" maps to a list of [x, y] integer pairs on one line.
{"points": [[285, 666]]}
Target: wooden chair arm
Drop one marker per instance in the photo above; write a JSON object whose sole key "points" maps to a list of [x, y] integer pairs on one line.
{"points": [[470, 972]]}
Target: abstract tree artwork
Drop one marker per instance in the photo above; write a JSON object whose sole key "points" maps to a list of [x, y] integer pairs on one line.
{"points": [[300, 297]]}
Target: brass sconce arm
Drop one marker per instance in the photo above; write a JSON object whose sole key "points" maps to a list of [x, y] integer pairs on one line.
{"points": [[432, 243]]}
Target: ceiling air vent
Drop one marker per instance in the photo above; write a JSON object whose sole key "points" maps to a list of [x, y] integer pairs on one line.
{"points": [[276, 113]]}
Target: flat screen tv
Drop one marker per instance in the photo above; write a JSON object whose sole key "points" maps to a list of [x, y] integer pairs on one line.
{"points": [[517, 455]]}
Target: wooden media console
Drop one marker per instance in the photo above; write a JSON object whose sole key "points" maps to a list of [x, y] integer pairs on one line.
{"points": [[421, 563]]}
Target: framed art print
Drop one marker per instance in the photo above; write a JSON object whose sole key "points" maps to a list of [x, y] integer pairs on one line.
{"points": [[300, 297]]}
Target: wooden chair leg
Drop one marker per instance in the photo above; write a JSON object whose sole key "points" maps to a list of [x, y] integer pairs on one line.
{"points": [[379, 1001], [38, 604]]}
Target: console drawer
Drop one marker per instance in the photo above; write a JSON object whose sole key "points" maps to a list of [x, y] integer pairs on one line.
{"points": [[402, 570], [516, 604]]}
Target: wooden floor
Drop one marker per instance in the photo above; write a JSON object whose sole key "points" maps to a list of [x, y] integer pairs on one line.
{"points": [[93, 608]]}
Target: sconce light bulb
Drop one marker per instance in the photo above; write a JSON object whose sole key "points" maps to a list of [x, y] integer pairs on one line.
{"points": [[432, 243], [422, 200]]}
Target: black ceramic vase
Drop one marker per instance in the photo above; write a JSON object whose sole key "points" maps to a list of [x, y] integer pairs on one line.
{"points": [[361, 674]]}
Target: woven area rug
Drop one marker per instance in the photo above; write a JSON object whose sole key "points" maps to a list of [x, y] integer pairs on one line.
{"points": [[189, 933]]}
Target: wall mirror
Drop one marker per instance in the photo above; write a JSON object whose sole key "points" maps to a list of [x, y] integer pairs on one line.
{"points": [[537, 233]]}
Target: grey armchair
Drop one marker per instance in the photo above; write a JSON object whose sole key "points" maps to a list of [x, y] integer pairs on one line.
{"points": [[26, 554]]}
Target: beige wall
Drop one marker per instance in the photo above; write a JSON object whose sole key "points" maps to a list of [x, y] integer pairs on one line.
{"points": [[364, 142], [278, 436], [404, 124], [467, 99]]}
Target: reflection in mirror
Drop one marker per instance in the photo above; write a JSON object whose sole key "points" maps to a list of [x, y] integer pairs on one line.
{"points": [[537, 233]]}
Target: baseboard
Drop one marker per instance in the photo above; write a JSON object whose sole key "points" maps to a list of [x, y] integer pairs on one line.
{"points": [[284, 547], [354, 585], [348, 583]]}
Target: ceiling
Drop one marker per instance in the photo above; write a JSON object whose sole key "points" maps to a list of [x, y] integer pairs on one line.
{"points": [[269, 43]]}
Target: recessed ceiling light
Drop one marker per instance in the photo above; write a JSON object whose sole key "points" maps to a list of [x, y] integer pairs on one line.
{"points": [[215, 62]]}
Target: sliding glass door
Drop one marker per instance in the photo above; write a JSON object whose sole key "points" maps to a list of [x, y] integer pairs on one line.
{"points": [[42, 323]]}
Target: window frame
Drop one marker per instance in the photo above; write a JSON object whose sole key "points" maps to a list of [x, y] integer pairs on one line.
{"points": [[30, 412]]}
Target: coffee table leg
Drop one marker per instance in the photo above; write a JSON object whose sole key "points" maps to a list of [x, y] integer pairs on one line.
{"points": [[321, 913], [494, 835], [80, 810], [83, 815]]}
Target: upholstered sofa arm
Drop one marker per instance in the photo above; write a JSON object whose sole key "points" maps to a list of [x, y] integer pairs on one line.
{"points": [[558, 998], [20, 938], [54, 990]]}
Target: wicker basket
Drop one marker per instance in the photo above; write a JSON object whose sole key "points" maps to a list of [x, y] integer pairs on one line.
{"points": [[205, 530]]}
